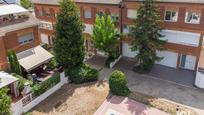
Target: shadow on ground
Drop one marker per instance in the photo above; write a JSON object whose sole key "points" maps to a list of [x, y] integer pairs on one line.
{"points": [[180, 91]]}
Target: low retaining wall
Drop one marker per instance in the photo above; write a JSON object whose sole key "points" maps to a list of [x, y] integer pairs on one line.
{"points": [[27, 103], [112, 64]]}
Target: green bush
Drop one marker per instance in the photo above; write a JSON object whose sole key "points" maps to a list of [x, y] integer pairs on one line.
{"points": [[118, 84], [21, 81], [52, 64], [82, 74], [40, 88], [5, 102], [13, 62]]}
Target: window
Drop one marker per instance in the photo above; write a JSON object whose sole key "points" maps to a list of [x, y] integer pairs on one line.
{"points": [[24, 39], [87, 14], [47, 12], [100, 13], [132, 13], [126, 28], [40, 13], [192, 17], [114, 17], [171, 16]]}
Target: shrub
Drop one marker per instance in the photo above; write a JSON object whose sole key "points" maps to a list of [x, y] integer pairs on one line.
{"points": [[52, 64], [118, 84], [14, 64], [40, 88], [21, 81], [82, 74], [5, 102]]}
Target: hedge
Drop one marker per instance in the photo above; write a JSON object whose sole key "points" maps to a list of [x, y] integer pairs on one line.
{"points": [[40, 88], [118, 84]]}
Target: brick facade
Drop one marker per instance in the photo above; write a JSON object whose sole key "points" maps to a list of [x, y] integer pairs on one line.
{"points": [[179, 25], [10, 41]]}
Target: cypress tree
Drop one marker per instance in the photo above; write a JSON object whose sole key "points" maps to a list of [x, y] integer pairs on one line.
{"points": [[69, 41], [146, 34], [14, 64]]}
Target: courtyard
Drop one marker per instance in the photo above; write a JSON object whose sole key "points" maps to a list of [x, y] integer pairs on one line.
{"points": [[74, 100], [166, 88], [88, 98]]}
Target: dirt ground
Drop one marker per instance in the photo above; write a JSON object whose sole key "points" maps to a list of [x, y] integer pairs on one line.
{"points": [[74, 99]]}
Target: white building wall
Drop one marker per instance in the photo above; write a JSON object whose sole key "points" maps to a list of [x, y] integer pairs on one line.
{"points": [[44, 38], [199, 81], [178, 37], [88, 28], [127, 52], [18, 108], [169, 58]]}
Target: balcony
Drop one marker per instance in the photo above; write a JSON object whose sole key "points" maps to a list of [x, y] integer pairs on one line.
{"points": [[46, 25], [9, 20]]}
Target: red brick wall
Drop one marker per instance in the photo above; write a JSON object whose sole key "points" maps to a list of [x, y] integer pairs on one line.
{"points": [[10, 41]]}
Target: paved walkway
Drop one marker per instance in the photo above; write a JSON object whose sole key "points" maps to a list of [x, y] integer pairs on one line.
{"points": [[187, 96], [180, 76], [125, 106]]}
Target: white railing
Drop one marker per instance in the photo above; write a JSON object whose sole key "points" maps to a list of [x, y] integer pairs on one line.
{"points": [[28, 102]]}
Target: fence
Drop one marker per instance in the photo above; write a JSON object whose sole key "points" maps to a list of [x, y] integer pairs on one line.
{"points": [[28, 102]]}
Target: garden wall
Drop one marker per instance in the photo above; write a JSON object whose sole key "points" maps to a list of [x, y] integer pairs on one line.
{"points": [[28, 102]]}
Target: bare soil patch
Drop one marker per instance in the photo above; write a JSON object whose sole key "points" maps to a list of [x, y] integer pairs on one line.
{"points": [[72, 99], [160, 104]]}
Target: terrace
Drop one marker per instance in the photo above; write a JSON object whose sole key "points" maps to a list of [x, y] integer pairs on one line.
{"points": [[35, 62], [12, 14], [13, 19]]}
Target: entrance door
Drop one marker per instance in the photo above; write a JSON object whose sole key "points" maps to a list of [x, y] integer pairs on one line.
{"points": [[187, 62], [183, 61]]}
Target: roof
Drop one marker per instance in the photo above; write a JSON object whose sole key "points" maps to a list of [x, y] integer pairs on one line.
{"points": [[32, 21], [176, 1], [11, 9], [34, 57], [99, 1], [12, 1], [56, 2], [6, 79]]}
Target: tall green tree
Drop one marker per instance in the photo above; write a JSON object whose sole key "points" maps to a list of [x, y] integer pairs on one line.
{"points": [[5, 102], [69, 41], [13, 62], [146, 34], [105, 37], [26, 4]]}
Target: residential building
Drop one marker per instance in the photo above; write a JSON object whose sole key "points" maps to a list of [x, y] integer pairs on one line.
{"points": [[46, 11], [183, 23], [19, 31]]}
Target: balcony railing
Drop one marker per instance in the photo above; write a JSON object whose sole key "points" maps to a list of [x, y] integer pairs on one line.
{"points": [[13, 21]]}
